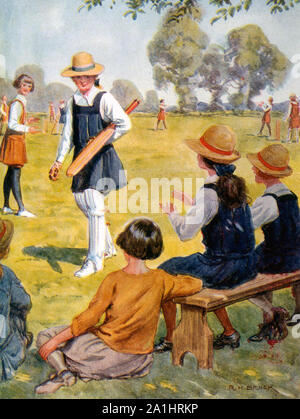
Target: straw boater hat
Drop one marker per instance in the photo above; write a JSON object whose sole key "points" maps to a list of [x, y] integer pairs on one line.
{"points": [[272, 160], [6, 234], [83, 64], [217, 144]]}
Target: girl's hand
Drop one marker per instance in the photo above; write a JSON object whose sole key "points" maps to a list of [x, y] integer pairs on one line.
{"points": [[54, 171], [48, 348], [33, 130], [181, 196], [167, 208]]}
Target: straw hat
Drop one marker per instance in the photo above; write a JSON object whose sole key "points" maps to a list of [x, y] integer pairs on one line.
{"points": [[272, 160], [217, 144], [6, 234], [83, 64]]}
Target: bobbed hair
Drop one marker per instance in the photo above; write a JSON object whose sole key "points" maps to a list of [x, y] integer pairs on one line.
{"points": [[23, 78], [141, 239]]}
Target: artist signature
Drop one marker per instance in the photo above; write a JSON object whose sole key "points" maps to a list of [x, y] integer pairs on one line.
{"points": [[242, 387]]}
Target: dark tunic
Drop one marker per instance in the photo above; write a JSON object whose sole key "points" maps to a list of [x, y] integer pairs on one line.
{"points": [[229, 259], [105, 171], [62, 116], [280, 250]]}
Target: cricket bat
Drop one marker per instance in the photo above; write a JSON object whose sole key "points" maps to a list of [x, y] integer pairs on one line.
{"points": [[95, 145], [277, 129]]}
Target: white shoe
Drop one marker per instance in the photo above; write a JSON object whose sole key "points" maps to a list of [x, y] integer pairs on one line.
{"points": [[88, 268], [7, 210], [25, 213]]}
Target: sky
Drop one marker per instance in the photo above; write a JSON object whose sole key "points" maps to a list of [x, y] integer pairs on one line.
{"points": [[49, 32]]}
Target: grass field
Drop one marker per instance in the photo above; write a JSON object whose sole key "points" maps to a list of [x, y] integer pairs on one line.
{"points": [[48, 249]]}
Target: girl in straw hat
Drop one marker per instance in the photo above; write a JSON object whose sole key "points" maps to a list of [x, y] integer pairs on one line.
{"points": [[89, 112], [15, 304], [221, 212], [277, 213]]}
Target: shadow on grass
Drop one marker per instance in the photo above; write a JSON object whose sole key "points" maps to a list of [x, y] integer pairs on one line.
{"points": [[53, 255]]}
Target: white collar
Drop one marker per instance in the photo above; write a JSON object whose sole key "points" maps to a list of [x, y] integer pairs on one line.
{"points": [[278, 187], [89, 97], [21, 98], [211, 179]]}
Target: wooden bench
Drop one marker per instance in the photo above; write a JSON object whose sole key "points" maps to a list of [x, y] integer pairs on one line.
{"points": [[193, 333]]}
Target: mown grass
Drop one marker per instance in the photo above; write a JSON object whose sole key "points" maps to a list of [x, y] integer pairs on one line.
{"points": [[47, 250]]}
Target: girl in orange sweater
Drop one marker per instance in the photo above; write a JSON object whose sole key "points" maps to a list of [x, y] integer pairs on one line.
{"points": [[131, 298]]}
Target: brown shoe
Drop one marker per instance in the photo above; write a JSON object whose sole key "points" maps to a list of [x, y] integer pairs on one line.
{"points": [[232, 340], [163, 346]]}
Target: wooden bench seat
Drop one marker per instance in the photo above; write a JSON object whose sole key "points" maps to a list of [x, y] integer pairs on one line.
{"points": [[193, 333]]}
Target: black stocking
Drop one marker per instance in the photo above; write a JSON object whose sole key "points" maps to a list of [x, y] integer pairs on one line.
{"points": [[16, 187], [12, 183]]}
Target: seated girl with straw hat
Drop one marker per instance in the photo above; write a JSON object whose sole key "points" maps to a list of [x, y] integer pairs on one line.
{"points": [[220, 210], [277, 213]]}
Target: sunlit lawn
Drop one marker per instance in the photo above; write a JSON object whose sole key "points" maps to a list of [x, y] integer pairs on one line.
{"points": [[47, 250]]}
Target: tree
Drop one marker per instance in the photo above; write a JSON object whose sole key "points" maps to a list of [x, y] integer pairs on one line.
{"points": [[255, 63], [151, 103], [125, 92], [225, 8], [57, 91], [213, 75], [175, 52], [136, 7]]}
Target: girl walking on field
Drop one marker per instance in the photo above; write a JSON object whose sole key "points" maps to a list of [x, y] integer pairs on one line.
{"points": [[13, 147], [161, 116], [130, 298], [293, 116], [220, 210], [266, 119]]}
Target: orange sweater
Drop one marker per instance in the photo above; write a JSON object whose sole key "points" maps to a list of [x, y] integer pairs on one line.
{"points": [[131, 304]]}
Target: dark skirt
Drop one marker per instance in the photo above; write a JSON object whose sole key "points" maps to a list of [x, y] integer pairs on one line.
{"points": [[215, 272], [270, 262], [105, 172]]}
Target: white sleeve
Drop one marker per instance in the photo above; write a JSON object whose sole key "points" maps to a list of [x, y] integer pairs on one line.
{"points": [[288, 114], [66, 142], [205, 208], [266, 107], [264, 210], [111, 111], [15, 113]]}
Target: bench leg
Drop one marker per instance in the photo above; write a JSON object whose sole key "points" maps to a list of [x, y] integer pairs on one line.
{"points": [[193, 335]]}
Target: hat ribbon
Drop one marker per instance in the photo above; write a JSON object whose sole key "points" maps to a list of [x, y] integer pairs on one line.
{"points": [[3, 231], [214, 149], [269, 166], [83, 68]]}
